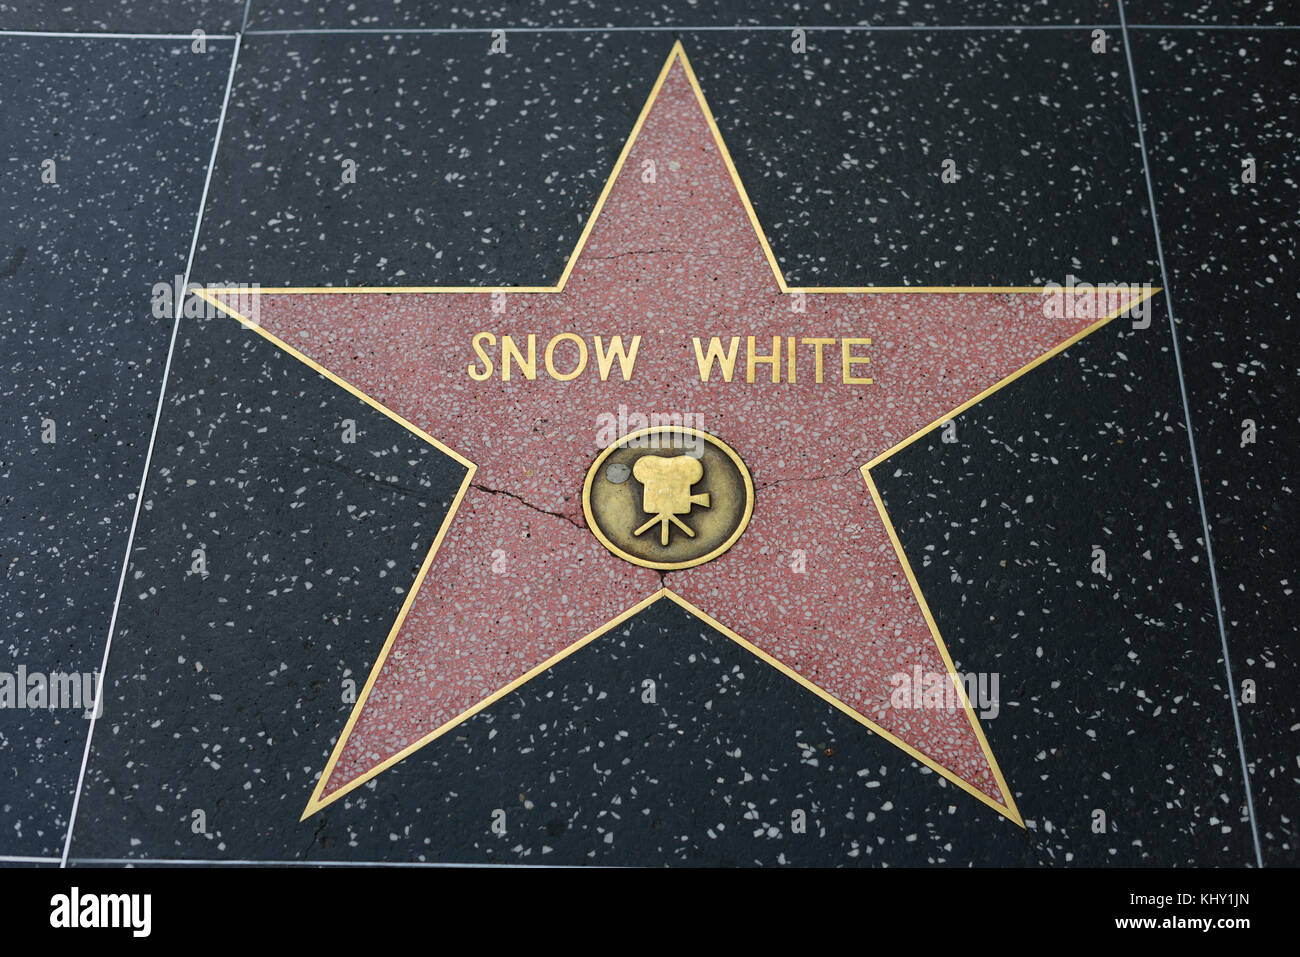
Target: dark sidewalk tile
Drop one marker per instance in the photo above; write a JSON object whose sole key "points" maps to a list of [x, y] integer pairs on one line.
{"points": [[1213, 12], [226, 684], [470, 169], [122, 16], [1211, 100], [270, 14], [842, 151], [128, 125], [730, 764], [1113, 691], [845, 174], [224, 691]]}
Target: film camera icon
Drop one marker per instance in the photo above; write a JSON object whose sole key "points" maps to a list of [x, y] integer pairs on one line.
{"points": [[667, 482]]}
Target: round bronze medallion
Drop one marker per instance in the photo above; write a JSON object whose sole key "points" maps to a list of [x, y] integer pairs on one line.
{"points": [[668, 497]]}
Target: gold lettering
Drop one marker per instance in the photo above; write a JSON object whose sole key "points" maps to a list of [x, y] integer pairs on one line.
{"points": [[726, 363], [849, 361], [550, 356], [509, 351], [818, 342], [626, 360], [752, 359], [479, 338]]}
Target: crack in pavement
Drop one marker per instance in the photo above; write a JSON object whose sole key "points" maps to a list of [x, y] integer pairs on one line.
{"points": [[808, 478], [523, 501], [638, 252], [364, 475]]}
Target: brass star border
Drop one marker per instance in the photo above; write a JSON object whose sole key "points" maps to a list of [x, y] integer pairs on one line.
{"points": [[678, 54]]}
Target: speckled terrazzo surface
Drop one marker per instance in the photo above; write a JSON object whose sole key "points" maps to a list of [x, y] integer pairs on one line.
{"points": [[662, 741], [591, 13], [670, 258], [454, 184], [1024, 210], [1239, 13], [123, 122], [123, 16], [1240, 95], [1124, 709], [300, 589]]}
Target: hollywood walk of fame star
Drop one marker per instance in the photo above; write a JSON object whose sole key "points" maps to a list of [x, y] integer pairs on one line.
{"points": [[818, 584]]}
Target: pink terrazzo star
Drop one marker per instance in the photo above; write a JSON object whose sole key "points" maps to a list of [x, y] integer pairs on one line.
{"points": [[669, 257]]}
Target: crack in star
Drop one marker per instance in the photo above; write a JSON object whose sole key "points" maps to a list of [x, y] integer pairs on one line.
{"points": [[775, 483], [523, 501], [639, 252]]}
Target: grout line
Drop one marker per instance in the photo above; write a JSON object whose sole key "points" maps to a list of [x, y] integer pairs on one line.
{"points": [[20, 859], [1213, 26], [844, 28], [148, 459], [1191, 442], [202, 862], [114, 36], [656, 28], [758, 28]]}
